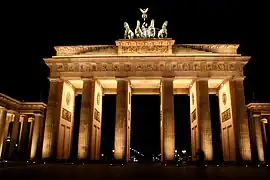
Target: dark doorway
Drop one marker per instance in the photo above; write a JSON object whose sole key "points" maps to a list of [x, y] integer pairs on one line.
{"points": [[145, 127], [215, 122], [182, 123], [76, 127], [107, 127]]}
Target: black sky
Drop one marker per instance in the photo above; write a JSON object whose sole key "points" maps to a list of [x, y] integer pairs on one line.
{"points": [[31, 30]]}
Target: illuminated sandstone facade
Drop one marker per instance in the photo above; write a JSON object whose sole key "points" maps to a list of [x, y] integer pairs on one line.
{"points": [[259, 123], [146, 66], [21, 128]]}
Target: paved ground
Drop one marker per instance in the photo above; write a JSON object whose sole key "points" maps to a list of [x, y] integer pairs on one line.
{"points": [[130, 171]]}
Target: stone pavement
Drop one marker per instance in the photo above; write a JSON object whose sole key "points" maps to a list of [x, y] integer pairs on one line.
{"points": [[70, 171]]}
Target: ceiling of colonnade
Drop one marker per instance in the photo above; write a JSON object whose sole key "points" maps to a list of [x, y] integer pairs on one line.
{"points": [[147, 83]]}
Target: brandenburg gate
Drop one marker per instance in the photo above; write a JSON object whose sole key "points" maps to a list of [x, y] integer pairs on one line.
{"points": [[144, 62], [146, 66]]}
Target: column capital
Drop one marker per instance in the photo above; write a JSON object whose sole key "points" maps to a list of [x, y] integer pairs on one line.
{"points": [[121, 78], [55, 79], [2, 108], [38, 114], [168, 78], [13, 112], [30, 119], [256, 115], [238, 78], [87, 78], [264, 120], [202, 79]]}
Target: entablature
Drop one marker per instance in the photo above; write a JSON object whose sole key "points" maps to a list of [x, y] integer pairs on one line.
{"points": [[21, 107], [146, 66], [259, 108]]}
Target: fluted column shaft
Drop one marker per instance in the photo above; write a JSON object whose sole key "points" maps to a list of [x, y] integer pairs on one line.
{"points": [[201, 119], [23, 146], [13, 149], [167, 120], [86, 120], [49, 149], [121, 121], [240, 120], [36, 136]]}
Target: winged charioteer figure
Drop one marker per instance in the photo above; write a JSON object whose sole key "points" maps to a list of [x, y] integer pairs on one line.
{"points": [[144, 13]]}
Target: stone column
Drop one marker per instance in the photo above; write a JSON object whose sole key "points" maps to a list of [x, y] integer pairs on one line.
{"points": [[259, 140], [201, 130], [264, 132], [240, 120], [23, 146], [49, 150], [167, 120], [13, 149], [37, 136], [3, 122], [264, 138], [256, 139], [30, 136], [121, 137], [267, 138], [86, 120]]}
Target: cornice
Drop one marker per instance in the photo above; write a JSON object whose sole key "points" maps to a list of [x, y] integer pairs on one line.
{"points": [[178, 57], [17, 106], [259, 107], [216, 48], [154, 42], [72, 50]]}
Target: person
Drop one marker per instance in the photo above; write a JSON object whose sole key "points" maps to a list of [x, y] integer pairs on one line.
{"points": [[200, 158]]}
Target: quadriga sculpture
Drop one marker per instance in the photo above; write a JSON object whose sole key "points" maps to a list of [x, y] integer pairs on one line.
{"points": [[128, 33], [163, 32]]}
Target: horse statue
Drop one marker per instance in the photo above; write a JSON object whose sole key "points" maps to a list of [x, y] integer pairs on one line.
{"points": [[144, 30], [163, 32], [151, 29], [128, 33], [138, 31]]}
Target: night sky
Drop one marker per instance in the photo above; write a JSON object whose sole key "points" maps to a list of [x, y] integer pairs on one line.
{"points": [[32, 30]]}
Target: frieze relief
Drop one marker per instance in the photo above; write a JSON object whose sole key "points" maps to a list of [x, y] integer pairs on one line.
{"points": [[66, 115], [144, 49], [149, 66], [226, 115], [193, 115], [97, 115]]}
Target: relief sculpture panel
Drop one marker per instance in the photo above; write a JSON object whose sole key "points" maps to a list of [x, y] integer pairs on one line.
{"points": [[66, 115], [226, 115], [97, 115], [148, 66]]}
